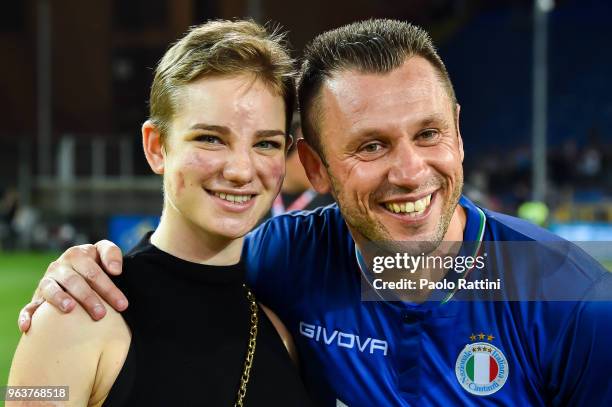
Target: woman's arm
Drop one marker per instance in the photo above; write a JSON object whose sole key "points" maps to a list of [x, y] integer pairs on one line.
{"points": [[71, 350]]}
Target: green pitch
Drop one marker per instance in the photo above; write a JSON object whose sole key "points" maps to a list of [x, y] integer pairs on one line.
{"points": [[19, 275]]}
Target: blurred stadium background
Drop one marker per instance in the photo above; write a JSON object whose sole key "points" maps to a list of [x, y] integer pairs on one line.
{"points": [[532, 78]]}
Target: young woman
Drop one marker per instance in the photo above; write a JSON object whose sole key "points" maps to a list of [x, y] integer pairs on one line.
{"points": [[220, 105]]}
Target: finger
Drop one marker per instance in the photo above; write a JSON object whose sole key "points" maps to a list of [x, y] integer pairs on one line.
{"points": [[75, 284], [55, 295], [25, 315], [84, 250], [100, 282], [111, 257], [84, 259]]}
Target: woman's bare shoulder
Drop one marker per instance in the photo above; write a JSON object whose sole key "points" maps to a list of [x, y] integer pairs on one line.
{"points": [[72, 350]]}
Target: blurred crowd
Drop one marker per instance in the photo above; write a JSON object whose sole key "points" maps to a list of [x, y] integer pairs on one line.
{"points": [[579, 178], [23, 228]]}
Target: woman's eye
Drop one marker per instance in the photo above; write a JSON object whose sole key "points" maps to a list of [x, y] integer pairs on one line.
{"points": [[268, 145], [205, 138]]}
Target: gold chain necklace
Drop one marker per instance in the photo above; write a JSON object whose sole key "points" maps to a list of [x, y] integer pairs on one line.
{"points": [[248, 362]]}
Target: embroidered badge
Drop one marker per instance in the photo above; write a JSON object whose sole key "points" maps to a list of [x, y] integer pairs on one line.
{"points": [[481, 368]]}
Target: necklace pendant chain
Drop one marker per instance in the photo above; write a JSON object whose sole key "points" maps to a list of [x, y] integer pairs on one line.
{"points": [[248, 362]]}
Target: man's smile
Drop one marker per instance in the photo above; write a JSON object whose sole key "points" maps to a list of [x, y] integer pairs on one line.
{"points": [[410, 207]]}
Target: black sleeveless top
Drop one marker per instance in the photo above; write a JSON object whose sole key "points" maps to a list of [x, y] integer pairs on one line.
{"points": [[190, 329]]}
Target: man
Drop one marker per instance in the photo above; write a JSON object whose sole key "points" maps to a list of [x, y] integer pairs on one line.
{"points": [[381, 129]]}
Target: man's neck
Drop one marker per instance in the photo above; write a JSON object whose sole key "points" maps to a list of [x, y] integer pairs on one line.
{"points": [[183, 239], [453, 234]]}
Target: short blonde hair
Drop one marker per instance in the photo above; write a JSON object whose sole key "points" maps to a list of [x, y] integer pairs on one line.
{"points": [[219, 48]]}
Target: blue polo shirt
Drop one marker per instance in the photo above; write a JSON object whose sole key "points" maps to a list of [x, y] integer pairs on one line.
{"points": [[462, 351]]}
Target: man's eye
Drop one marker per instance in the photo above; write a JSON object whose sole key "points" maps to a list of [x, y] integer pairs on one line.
{"points": [[429, 135], [371, 148], [268, 145], [206, 138]]}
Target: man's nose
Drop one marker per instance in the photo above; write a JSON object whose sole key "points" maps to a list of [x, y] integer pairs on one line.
{"points": [[408, 166]]}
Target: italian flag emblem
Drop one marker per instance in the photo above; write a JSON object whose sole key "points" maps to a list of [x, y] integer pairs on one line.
{"points": [[481, 368]]}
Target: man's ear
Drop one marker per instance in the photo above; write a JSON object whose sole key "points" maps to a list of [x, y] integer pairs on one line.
{"points": [[459, 138], [153, 147], [314, 167]]}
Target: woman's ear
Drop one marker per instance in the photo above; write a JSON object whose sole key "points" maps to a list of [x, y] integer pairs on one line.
{"points": [[153, 147], [289, 142]]}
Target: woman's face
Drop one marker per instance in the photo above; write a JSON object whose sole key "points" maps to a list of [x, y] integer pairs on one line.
{"points": [[224, 156]]}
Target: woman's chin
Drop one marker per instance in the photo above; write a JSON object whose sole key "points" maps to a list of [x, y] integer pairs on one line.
{"points": [[233, 230]]}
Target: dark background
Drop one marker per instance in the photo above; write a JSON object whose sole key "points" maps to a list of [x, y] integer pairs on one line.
{"points": [[102, 58]]}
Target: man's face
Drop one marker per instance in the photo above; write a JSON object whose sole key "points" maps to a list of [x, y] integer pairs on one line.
{"points": [[393, 152], [224, 155]]}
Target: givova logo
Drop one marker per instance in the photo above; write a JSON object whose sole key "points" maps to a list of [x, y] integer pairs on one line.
{"points": [[341, 339], [481, 368]]}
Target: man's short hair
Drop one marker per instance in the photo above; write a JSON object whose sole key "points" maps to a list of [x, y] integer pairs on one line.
{"points": [[372, 46], [222, 48], [295, 131]]}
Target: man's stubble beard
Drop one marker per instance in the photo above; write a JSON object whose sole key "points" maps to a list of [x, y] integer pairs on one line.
{"points": [[378, 235]]}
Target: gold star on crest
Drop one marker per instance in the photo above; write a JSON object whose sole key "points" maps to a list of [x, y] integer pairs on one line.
{"points": [[490, 337], [481, 336], [473, 338]]}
